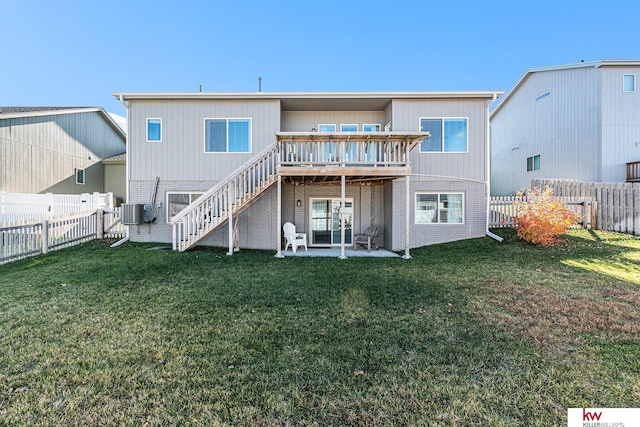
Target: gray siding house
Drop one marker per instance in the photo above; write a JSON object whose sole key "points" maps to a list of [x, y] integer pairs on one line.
{"points": [[577, 121], [57, 149], [415, 165]]}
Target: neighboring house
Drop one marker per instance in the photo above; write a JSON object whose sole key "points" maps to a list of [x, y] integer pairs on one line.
{"points": [[58, 150], [577, 121], [305, 158], [115, 177]]}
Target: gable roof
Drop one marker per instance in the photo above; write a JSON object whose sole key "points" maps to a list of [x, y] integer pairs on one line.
{"points": [[20, 112], [591, 64]]}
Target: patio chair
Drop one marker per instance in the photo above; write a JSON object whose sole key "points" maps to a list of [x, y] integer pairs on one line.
{"points": [[366, 239], [294, 239]]}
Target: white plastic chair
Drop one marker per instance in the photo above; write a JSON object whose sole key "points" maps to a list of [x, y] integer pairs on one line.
{"points": [[294, 239]]}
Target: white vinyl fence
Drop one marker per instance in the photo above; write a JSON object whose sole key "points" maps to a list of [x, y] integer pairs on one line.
{"points": [[21, 206], [21, 239]]}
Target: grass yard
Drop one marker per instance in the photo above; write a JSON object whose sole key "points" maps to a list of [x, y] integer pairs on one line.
{"points": [[468, 333]]}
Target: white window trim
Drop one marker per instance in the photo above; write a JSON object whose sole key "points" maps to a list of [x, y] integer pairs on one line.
{"points": [[634, 83], [348, 124], [204, 134], [443, 120], [147, 129], [371, 124], [84, 175], [438, 193], [327, 124], [533, 159], [166, 199]]}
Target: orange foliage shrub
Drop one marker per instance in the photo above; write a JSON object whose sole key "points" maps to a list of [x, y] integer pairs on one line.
{"points": [[543, 218]]}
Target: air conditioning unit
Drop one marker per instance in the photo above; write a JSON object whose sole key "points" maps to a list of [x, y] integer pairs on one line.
{"points": [[132, 214]]}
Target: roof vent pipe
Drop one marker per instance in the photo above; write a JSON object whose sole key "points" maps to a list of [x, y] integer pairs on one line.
{"points": [[201, 87], [259, 84]]}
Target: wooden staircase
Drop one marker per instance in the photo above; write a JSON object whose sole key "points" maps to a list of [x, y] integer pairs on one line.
{"points": [[233, 194]]}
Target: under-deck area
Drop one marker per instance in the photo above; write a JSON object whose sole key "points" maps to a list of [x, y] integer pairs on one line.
{"points": [[341, 159]]}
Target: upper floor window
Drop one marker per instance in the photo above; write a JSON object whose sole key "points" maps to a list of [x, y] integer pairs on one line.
{"points": [[348, 128], [371, 128], [154, 130], [447, 135], [629, 83], [227, 135], [533, 163], [326, 128]]}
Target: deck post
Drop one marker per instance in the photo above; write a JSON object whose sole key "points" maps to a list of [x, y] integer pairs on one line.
{"points": [[407, 207], [342, 215], [279, 220], [230, 217]]}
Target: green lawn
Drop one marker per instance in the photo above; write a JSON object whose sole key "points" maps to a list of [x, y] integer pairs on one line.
{"points": [[468, 333]]}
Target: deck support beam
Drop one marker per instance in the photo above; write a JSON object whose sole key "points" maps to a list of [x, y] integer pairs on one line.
{"points": [[230, 218], [407, 216], [343, 219], [279, 220]]}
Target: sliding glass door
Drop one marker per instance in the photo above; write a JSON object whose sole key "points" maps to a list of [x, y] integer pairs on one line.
{"points": [[325, 222]]}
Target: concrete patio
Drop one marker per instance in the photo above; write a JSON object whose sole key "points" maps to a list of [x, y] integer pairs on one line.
{"points": [[335, 252]]}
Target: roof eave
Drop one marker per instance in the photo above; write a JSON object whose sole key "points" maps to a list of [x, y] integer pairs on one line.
{"points": [[128, 96]]}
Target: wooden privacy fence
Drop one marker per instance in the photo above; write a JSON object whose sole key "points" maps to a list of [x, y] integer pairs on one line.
{"points": [[618, 203], [26, 238], [503, 209]]}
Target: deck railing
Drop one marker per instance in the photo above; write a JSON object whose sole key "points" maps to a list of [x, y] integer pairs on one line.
{"points": [[354, 149], [633, 171], [211, 209]]}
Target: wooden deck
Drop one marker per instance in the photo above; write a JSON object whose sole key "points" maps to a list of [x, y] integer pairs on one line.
{"points": [[633, 172], [323, 157]]}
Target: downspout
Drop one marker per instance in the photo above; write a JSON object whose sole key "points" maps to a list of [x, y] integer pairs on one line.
{"points": [[127, 164], [488, 172]]}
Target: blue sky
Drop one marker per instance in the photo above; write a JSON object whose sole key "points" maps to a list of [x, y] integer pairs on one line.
{"points": [[79, 52]]}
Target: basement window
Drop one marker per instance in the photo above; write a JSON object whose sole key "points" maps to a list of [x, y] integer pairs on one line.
{"points": [[177, 201]]}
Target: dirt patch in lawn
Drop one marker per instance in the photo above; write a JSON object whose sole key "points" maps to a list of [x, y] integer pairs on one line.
{"points": [[548, 318]]}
